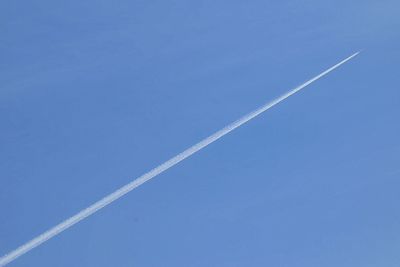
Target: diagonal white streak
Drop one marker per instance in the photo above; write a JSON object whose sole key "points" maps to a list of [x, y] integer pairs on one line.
{"points": [[154, 172]]}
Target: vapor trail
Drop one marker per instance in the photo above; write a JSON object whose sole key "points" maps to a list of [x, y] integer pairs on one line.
{"points": [[154, 172]]}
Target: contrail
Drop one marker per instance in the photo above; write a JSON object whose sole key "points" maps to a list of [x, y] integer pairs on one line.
{"points": [[154, 172]]}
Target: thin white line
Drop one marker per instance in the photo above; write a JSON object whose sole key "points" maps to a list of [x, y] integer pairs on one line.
{"points": [[154, 172]]}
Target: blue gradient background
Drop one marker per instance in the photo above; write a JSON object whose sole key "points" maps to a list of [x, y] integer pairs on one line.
{"points": [[95, 93]]}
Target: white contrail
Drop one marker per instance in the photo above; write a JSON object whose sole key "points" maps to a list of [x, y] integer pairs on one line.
{"points": [[154, 172]]}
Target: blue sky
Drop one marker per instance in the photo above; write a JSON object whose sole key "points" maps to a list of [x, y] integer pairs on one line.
{"points": [[95, 93]]}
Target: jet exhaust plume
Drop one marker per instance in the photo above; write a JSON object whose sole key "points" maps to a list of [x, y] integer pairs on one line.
{"points": [[154, 172]]}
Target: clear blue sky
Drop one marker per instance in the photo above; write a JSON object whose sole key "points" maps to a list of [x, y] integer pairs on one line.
{"points": [[95, 93]]}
